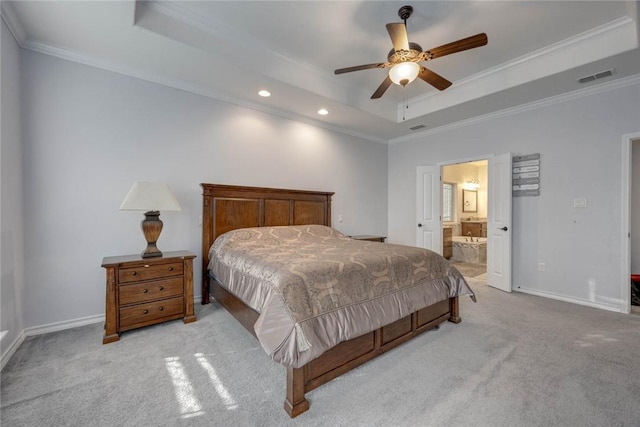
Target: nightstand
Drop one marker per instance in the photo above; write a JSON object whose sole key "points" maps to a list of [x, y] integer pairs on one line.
{"points": [[370, 238], [146, 291]]}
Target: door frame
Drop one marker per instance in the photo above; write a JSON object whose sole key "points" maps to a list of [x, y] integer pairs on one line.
{"points": [[442, 164], [625, 229]]}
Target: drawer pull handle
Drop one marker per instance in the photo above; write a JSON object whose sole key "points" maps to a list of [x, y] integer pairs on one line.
{"points": [[145, 312], [146, 266], [144, 291], [135, 273], [170, 268], [162, 288], [161, 308]]}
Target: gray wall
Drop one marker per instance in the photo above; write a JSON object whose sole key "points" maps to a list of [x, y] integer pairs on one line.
{"points": [[12, 285], [89, 134], [580, 143]]}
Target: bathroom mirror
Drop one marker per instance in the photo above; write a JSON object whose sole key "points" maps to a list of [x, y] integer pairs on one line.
{"points": [[469, 201]]}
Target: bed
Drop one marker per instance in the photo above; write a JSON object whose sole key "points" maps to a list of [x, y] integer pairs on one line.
{"points": [[316, 342]]}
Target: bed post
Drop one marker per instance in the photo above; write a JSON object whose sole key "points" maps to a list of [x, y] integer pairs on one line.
{"points": [[205, 288], [454, 308], [295, 402], [207, 240]]}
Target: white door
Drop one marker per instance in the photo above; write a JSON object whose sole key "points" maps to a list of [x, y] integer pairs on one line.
{"points": [[499, 223], [428, 223]]}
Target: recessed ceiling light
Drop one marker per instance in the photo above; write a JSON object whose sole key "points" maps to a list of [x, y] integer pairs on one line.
{"points": [[264, 93], [323, 111]]}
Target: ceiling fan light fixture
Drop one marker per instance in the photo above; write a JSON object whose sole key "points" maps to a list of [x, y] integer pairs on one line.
{"points": [[404, 73]]}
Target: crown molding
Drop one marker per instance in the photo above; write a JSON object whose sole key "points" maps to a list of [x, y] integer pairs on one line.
{"points": [[10, 18], [618, 36], [621, 26], [557, 99], [187, 87], [199, 90]]}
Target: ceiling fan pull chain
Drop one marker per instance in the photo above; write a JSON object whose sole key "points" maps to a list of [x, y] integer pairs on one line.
{"points": [[405, 103]]}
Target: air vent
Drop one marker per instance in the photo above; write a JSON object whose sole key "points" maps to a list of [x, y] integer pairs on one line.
{"points": [[417, 127], [587, 79], [596, 76]]}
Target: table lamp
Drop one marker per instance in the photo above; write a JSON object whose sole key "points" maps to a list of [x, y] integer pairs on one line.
{"points": [[152, 198]]}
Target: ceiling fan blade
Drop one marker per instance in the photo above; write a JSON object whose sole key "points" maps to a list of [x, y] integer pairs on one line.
{"points": [[359, 67], [435, 80], [398, 33], [382, 88], [458, 46]]}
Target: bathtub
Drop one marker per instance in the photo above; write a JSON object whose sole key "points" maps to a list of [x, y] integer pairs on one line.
{"points": [[469, 249]]}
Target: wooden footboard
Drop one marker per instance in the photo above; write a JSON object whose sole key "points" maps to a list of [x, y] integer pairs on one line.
{"points": [[346, 355], [353, 353]]}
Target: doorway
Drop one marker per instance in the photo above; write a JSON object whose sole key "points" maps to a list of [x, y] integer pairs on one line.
{"points": [[630, 229], [634, 234], [464, 217], [498, 225]]}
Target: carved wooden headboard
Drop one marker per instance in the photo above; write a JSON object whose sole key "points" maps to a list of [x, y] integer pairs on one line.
{"points": [[228, 207]]}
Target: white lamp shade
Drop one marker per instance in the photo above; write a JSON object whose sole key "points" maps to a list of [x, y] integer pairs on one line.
{"points": [[150, 196], [404, 73]]}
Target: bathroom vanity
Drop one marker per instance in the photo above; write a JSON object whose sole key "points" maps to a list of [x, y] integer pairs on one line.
{"points": [[476, 228]]}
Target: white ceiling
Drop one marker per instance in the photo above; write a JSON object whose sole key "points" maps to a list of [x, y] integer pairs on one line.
{"points": [[231, 49]]}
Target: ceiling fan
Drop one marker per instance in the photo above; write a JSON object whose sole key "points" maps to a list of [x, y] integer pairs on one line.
{"points": [[405, 56]]}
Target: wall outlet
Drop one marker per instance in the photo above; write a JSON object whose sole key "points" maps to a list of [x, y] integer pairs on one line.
{"points": [[579, 203], [541, 266], [340, 218]]}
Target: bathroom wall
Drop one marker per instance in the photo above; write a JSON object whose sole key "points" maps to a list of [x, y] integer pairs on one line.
{"points": [[483, 200]]}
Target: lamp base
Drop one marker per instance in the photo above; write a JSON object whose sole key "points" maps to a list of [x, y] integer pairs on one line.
{"points": [[151, 227]]}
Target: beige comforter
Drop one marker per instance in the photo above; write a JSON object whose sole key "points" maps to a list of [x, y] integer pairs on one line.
{"points": [[315, 287]]}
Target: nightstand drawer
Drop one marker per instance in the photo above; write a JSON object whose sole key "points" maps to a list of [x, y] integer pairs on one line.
{"points": [[151, 290], [147, 313], [149, 271]]}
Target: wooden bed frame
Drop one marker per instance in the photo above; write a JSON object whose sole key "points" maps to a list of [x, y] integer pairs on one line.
{"points": [[226, 208]]}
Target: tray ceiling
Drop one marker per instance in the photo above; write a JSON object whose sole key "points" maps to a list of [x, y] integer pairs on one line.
{"points": [[231, 49]]}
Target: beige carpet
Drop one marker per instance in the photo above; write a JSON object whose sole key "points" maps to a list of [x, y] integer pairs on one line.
{"points": [[515, 360], [469, 270]]}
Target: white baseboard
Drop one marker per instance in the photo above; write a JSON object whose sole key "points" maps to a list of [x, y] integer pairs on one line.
{"points": [[579, 301], [66, 324], [12, 349], [54, 327]]}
